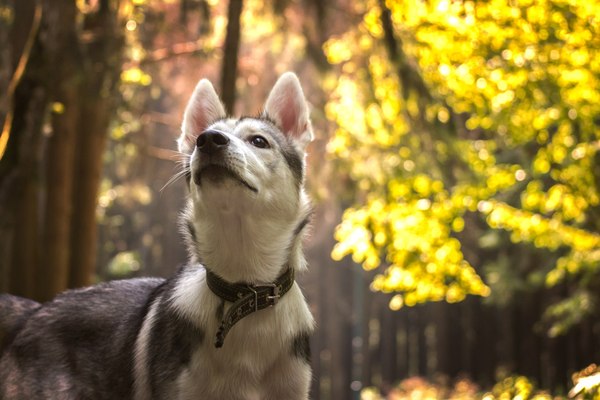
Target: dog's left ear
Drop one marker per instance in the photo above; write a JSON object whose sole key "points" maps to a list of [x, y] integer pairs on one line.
{"points": [[287, 107]]}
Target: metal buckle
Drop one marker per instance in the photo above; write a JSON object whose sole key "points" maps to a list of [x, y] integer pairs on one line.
{"points": [[272, 298]]}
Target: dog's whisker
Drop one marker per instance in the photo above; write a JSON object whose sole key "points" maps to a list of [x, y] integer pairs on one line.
{"points": [[175, 178], [181, 157], [176, 154], [182, 161]]}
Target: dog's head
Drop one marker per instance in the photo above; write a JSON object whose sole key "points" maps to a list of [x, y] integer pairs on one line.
{"points": [[247, 162], [246, 181]]}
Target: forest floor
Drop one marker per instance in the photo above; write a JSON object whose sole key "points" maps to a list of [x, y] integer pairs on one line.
{"points": [[586, 386]]}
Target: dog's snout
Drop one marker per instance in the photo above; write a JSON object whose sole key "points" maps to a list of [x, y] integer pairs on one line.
{"points": [[211, 141]]}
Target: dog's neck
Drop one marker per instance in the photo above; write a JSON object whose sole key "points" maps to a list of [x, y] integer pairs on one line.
{"points": [[246, 247]]}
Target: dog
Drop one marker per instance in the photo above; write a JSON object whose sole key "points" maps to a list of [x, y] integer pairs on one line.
{"points": [[230, 324]]}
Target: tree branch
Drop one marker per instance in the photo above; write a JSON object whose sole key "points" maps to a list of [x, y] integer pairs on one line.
{"points": [[409, 75], [17, 75], [167, 53]]}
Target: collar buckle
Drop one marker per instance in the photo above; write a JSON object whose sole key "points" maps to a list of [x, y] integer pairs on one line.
{"points": [[271, 298]]}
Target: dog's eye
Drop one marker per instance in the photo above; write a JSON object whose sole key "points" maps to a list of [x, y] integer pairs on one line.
{"points": [[259, 141]]}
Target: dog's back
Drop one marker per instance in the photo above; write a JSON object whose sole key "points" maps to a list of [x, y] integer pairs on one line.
{"points": [[13, 311], [78, 346]]}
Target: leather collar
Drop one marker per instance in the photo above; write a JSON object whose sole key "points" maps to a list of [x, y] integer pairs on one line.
{"points": [[246, 298]]}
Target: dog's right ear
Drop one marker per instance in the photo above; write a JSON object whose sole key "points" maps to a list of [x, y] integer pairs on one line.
{"points": [[286, 106], [203, 109]]}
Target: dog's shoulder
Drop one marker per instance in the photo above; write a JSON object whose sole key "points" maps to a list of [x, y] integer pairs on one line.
{"points": [[13, 311], [93, 310], [168, 337], [100, 306], [77, 334]]}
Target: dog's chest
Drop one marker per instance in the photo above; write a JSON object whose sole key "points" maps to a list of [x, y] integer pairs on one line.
{"points": [[256, 350], [238, 369]]}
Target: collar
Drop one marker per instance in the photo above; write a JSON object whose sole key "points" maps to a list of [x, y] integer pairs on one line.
{"points": [[246, 298]]}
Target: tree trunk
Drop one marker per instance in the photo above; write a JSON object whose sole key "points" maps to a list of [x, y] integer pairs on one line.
{"points": [[315, 33], [58, 209], [21, 191], [98, 92], [23, 111], [388, 346], [63, 54], [86, 177], [230, 58], [48, 194]]}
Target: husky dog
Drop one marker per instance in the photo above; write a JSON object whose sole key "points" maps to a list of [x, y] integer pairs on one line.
{"points": [[232, 323]]}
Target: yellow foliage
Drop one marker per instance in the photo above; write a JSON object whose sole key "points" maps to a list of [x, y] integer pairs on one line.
{"points": [[337, 51], [524, 79], [421, 254], [136, 76]]}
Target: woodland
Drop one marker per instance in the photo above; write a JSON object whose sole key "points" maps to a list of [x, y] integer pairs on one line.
{"points": [[455, 174]]}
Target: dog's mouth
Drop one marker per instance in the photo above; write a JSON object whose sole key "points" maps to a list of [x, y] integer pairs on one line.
{"points": [[217, 174]]}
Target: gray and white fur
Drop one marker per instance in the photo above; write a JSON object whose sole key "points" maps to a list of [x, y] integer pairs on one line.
{"points": [[153, 338]]}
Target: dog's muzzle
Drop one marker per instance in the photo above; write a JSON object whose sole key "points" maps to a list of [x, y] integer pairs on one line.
{"points": [[212, 146]]}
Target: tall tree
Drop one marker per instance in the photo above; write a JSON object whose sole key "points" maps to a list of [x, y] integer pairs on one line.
{"points": [[98, 94], [229, 68], [49, 173], [20, 150], [63, 60]]}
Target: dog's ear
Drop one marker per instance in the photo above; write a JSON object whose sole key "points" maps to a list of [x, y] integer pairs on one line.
{"points": [[203, 109], [287, 107]]}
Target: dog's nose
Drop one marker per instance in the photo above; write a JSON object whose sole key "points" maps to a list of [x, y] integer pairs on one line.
{"points": [[211, 141]]}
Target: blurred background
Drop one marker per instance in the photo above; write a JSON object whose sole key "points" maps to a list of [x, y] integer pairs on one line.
{"points": [[455, 247]]}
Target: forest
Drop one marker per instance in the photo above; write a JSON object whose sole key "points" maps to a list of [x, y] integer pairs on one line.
{"points": [[455, 173]]}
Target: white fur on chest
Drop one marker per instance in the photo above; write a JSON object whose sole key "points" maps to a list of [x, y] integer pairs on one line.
{"points": [[255, 349]]}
